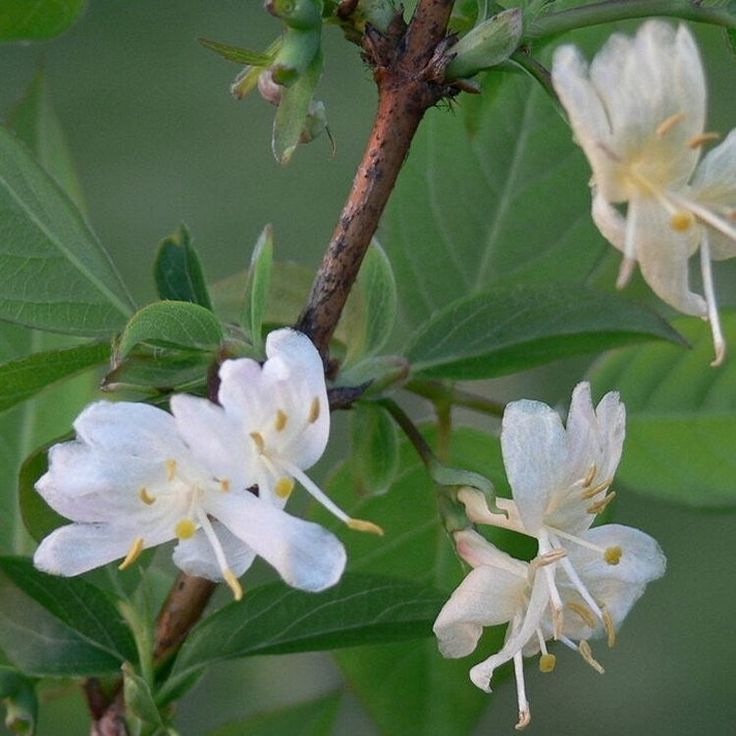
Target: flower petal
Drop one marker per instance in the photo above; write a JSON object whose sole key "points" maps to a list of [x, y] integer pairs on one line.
{"points": [[479, 552], [306, 555]]}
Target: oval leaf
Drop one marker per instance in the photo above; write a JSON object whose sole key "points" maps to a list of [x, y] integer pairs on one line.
{"points": [[511, 329], [375, 445], [178, 270], [21, 20], [259, 283]]}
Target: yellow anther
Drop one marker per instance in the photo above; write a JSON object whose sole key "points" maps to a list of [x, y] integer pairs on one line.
{"points": [[225, 484], [600, 506], [525, 718], [361, 525], [257, 437], [185, 529], [547, 663], [281, 419], [613, 555], [133, 554], [284, 486], [548, 558], [595, 490], [314, 410], [233, 583], [146, 497], [699, 140], [610, 627], [668, 123], [585, 613], [170, 469], [682, 221], [587, 654], [589, 477]]}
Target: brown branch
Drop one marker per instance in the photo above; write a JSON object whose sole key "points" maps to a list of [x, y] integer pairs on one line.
{"points": [[409, 71]]}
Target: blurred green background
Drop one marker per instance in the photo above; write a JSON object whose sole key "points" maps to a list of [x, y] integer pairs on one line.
{"points": [[158, 141]]}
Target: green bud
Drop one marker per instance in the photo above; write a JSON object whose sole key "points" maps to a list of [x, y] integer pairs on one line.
{"points": [[487, 45], [300, 14], [297, 52]]}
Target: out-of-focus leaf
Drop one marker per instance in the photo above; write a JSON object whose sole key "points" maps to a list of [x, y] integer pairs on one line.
{"points": [[681, 417], [511, 329], [314, 718], [20, 379], [274, 619], [26, 20], [238, 54], [178, 270], [259, 282], [375, 448], [54, 274]]}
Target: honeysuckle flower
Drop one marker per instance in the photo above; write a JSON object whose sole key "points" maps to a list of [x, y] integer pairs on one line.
{"points": [[560, 479], [500, 589], [271, 424], [638, 112], [131, 481]]}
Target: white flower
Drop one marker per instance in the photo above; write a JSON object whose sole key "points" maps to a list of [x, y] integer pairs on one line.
{"points": [[137, 476], [501, 589], [272, 422], [638, 112], [560, 478]]}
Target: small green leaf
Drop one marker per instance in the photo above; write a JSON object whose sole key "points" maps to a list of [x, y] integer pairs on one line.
{"points": [[171, 324], [510, 329], [178, 270], [139, 699], [375, 445], [18, 695], [21, 20], [54, 274], [681, 417], [21, 379], [257, 288], [238, 54], [360, 609], [314, 718]]}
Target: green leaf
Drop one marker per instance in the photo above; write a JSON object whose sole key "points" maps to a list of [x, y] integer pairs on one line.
{"points": [[375, 448], [274, 619], [506, 330], [18, 695], [21, 20], [470, 211], [39, 642], [171, 324], [54, 274], [178, 270], [314, 718], [238, 54], [21, 379], [259, 282], [291, 115], [139, 699], [681, 418], [374, 306]]}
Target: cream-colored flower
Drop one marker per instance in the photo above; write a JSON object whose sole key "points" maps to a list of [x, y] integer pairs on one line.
{"points": [[638, 112]]}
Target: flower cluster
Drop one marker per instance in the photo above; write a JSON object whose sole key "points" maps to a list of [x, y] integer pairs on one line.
{"points": [[584, 580], [215, 477], [638, 112]]}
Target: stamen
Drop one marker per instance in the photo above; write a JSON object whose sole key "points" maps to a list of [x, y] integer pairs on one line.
{"points": [[133, 553], [361, 525], [284, 486], [524, 714], [610, 627], [146, 497], [584, 612], [719, 343], [548, 558], [612, 555], [580, 587], [170, 469], [547, 663], [281, 419], [257, 437], [185, 529], [708, 217], [682, 221], [595, 490], [698, 140], [314, 410], [233, 583], [601, 505], [587, 654], [668, 123], [589, 477], [626, 269], [225, 484]]}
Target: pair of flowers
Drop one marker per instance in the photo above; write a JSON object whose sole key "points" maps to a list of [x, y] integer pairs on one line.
{"points": [[638, 112], [583, 581], [215, 477]]}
